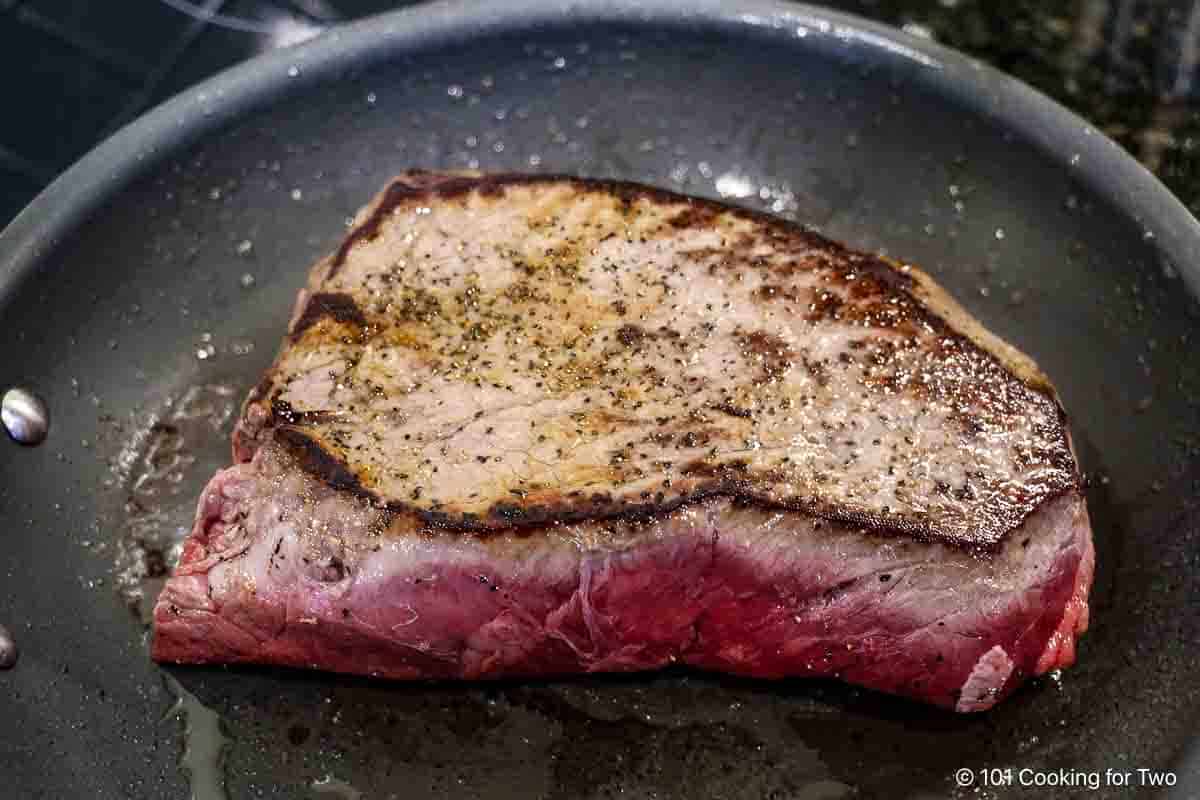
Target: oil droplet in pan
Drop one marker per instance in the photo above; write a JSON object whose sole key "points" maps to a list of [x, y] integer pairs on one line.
{"points": [[204, 744]]}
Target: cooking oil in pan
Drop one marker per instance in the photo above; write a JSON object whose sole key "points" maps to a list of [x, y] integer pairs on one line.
{"points": [[335, 787], [160, 470], [204, 744]]}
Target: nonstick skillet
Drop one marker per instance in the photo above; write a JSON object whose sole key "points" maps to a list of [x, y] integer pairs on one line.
{"points": [[143, 293]]}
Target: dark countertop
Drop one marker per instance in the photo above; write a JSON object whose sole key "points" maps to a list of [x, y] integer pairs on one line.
{"points": [[80, 69]]}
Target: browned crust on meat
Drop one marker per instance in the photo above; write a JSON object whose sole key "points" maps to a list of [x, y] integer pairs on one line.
{"points": [[529, 512], [316, 460], [527, 516], [419, 185], [338, 306]]}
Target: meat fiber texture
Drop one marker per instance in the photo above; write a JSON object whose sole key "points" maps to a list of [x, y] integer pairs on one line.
{"points": [[544, 426]]}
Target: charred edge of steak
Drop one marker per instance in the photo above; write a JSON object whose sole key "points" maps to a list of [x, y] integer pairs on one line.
{"points": [[720, 480], [411, 185], [282, 413], [319, 462], [338, 306], [261, 389], [529, 520]]}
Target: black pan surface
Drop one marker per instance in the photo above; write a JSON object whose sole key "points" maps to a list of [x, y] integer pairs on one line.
{"points": [[144, 292]]}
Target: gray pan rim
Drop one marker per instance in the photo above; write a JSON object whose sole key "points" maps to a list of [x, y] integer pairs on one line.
{"points": [[1064, 137]]}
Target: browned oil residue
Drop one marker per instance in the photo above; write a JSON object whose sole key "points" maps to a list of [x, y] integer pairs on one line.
{"points": [[159, 474]]}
